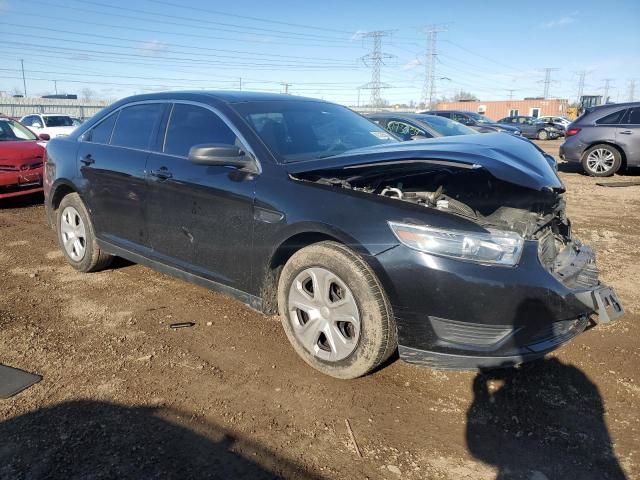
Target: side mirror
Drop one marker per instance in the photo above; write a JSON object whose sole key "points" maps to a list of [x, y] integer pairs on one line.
{"points": [[44, 136], [221, 155]]}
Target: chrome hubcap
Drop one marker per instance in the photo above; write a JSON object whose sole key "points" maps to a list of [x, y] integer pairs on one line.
{"points": [[600, 160], [324, 314], [73, 234]]}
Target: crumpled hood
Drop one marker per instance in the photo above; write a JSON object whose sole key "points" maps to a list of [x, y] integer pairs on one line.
{"points": [[14, 154], [506, 157]]}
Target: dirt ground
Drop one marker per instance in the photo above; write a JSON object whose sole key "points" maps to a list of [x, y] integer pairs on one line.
{"points": [[125, 396]]}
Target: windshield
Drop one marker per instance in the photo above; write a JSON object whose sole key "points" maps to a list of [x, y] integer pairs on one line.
{"points": [[58, 121], [480, 118], [12, 131], [302, 130], [445, 126]]}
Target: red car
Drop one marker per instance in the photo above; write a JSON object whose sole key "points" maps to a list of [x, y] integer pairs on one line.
{"points": [[21, 160]]}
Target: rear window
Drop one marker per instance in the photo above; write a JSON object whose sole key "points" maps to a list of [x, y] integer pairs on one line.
{"points": [[611, 119], [58, 121], [136, 125], [634, 117]]}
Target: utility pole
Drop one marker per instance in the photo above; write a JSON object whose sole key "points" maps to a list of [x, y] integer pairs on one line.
{"points": [[375, 60], [607, 86], [632, 90], [24, 81], [547, 81], [511, 90], [581, 76], [429, 86], [240, 83], [286, 87], [358, 103], [55, 86]]}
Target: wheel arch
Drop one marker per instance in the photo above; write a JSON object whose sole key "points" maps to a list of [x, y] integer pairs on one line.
{"points": [[623, 155], [58, 191]]}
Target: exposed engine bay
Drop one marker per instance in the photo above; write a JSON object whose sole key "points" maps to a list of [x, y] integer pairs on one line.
{"points": [[472, 193]]}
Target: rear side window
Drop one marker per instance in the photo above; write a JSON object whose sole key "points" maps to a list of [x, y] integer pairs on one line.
{"points": [[101, 133], [136, 125], [191, 125], [611, 119], [634, 117]]}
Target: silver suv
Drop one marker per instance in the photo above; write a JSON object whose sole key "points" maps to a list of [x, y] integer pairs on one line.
{"points": [[604, 139]]}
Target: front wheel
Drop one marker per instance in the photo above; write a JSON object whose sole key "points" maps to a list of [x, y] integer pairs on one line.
{"points": [[601, 161], [335, 312], [543, 135]]}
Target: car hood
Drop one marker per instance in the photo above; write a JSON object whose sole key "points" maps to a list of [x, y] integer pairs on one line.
{"points": [[55, 131], [506, 157], [14, 154], [503, 126]]}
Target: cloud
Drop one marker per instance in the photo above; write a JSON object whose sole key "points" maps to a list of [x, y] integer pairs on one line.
{"points": [[559, 22], [153, 48], [411, 64]]}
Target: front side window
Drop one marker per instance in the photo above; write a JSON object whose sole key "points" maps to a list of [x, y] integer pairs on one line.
{"points": [[101, 133], [58, 121], [612, 119], [634, 117], [302, 130], [11, 131], [191, 125], [136, 125]]}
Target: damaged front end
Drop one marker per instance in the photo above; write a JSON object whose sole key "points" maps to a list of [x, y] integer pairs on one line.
{"points": [[514, 308]]}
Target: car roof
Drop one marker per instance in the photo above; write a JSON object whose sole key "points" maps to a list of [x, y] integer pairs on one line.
{"points": [[226, 96]]}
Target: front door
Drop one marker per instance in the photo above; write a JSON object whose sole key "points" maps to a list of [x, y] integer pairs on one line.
{"points": [[628, 136], [112, 157], [199, 217]]}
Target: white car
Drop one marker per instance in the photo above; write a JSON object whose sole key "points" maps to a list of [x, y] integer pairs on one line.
{"points": [[52, 124], [551, 119]]}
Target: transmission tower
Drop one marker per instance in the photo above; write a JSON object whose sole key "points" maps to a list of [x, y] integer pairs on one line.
{"points": [[511, 90], [429, 86], [375, 60], [547, 81], [581, 76], [607, 86], [632, 90]]}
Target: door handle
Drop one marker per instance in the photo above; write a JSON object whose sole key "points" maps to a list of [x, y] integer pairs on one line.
{"points": [[87, 159], [161, 174], [626, 132]]}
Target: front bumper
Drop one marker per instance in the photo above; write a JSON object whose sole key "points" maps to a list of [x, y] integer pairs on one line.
{"points": [[453, 314], [15, 183]]}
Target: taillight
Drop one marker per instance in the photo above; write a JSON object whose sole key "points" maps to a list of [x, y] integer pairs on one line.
{"points": [[572, 131]]}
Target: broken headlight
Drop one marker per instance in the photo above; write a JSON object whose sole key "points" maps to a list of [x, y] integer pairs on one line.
{"points": [[496, 247]]}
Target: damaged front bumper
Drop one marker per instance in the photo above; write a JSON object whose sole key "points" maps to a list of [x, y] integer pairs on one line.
{"points": [[453, 314], [15, 183]]}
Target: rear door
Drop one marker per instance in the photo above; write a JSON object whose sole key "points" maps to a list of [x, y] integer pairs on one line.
{"points": [[112, 157], [199, 217], [628, 135]]}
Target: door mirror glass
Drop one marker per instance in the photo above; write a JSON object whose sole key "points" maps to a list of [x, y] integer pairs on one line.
{"points": [[221, 154]]}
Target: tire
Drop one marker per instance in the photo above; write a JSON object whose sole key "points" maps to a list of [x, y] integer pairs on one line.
{"points": [[543, 135], [601, 160], [348, 349], [77, 238]]}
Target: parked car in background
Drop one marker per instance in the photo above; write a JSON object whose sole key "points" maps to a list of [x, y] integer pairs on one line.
{"points": [[417, 126], [478, 122], [21, 160], [77, 121], [457, 249], [53, 124], [555, 120], [604, 139], [531, 127]]}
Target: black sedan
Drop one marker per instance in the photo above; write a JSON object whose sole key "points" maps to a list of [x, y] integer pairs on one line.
{"points": [[418, 126], [456, 251]]}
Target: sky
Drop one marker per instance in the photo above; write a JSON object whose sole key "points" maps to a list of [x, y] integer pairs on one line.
{"points": [[109, 49]]}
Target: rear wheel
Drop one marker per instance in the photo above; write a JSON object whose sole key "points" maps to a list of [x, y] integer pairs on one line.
{"points": [[601, 160], [335, 312], [77, 236], [543, 135]]}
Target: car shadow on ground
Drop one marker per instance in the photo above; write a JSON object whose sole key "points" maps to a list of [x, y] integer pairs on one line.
{"points": [[23, 201], [572, 167], [541, 420], [99, 440]]}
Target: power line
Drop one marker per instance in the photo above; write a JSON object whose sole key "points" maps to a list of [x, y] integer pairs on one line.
{"points": [[375, 60], [429, 86]]}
